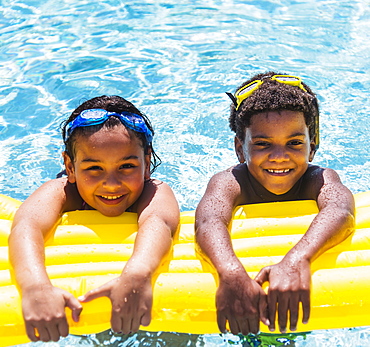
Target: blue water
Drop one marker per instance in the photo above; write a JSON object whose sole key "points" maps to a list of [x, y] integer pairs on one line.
{"points": [[175, 60]]}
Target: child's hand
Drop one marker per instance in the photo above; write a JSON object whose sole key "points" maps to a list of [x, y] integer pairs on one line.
{"points": [[289, 285], [44, 312], [132, 298], [242, 302]]}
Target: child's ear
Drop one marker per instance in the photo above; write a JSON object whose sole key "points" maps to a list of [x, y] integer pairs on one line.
{"points": [[239, 149], [69, 168], [312, 150], [147, 159]]}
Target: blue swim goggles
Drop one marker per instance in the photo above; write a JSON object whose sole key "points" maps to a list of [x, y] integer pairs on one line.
{"points": [[99, 116]]}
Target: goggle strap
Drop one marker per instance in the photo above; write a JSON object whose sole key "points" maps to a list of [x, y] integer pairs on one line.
{"points": [[233, 98], [147, 133]]}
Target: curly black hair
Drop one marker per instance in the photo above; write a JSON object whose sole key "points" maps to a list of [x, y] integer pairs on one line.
{"points": [[113, 103], [275, 96]]}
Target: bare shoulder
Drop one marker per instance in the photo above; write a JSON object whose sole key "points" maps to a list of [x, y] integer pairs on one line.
{"points": [[158, 204], [43, 208], [326, 174], [156, 195], [221, 196], [156, 184], [156, 189], [224, 182], [56, 195], [331, 177], [325, 177], [333, 191], [50, 190]]}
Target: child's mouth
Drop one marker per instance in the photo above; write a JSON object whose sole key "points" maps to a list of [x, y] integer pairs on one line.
{"points": [[111, 199]]}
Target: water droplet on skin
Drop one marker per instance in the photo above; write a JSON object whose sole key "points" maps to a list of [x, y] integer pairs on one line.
{"points": [[125, 299]]}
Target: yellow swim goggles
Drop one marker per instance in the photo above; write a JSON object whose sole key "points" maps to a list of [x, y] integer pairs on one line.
{"points": [[246, 91]]}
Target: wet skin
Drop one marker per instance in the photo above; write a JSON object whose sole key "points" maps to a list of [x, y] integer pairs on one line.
{"points": [[111, 173], [277, 150]]}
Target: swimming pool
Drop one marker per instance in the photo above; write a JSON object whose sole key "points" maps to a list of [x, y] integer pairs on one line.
{"points": [[175, 60]]}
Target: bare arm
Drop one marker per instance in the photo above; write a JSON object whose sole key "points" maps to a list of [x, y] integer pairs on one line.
{"points": [[43, 305], [239, 300], [131, 293], [290, 279]]}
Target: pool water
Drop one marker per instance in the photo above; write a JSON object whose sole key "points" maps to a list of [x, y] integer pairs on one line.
{"points": [[175, 60]]}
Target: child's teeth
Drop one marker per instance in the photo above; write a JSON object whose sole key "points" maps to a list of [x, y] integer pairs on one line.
{"points": [[111, 197], [278, 171]]}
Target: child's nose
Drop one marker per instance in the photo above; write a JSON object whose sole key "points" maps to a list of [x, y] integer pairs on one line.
{"points": [[112, 181], [278, 154]]}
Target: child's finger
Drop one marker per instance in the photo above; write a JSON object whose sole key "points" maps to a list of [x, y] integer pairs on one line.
{"points": [[63, 328], [245, 327], [53, 332], [254, 325], [263, 310], [283, 313], [126, 324], [293, 309], [31, 332], [306, 307], [116, 322], [43, 334], [221, 322], [272, 310], [76, 314], [75, 306], [103, 290], [146, 318], [135, 324], [234, 326], [263, 276]]}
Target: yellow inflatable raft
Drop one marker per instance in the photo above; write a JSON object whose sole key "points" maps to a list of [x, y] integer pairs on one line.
{"points": [[89, 249]]}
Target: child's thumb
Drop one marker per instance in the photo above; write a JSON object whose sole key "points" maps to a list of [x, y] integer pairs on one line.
{"points": [[146, 318], [262, 276], [75, 306]]}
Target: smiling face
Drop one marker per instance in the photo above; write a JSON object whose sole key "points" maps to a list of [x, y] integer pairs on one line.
{"points": [[109, 169], [276, 149]]}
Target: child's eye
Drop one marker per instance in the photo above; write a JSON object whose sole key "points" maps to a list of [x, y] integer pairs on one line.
{"points": [[262, 144], [94, 168], [295, 142], [127, 166]]}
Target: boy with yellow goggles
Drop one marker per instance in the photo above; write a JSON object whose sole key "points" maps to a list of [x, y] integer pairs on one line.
{"points": [[246, 91], [276, 137]]}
